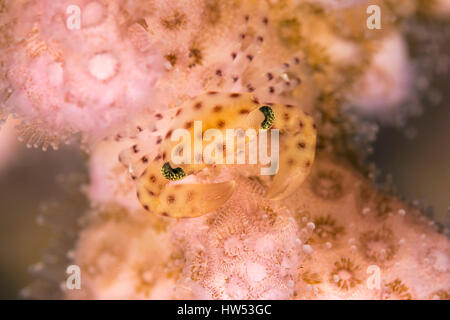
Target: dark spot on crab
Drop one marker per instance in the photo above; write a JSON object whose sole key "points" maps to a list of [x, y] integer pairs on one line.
{"points": [[188, 125], [308, 164], [217, 108], [211, 93], [244, 111], [250, 88], [235, 95], [233, 55], [158, 140], [144, 159], [221, 124], [235, 79], [146, 207], [198, 106], [135, 148], [271, 90], [178, 112], [158, 116], [301, 145], [219, 73], [168, 134], [250, 57], [286, 116], [260, 39], [152, 179], [265, 20], [165, 214], [301, 124], [269, 76]]}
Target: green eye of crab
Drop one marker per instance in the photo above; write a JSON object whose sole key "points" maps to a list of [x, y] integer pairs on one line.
{"points": [[269, 117], [172, 174]]}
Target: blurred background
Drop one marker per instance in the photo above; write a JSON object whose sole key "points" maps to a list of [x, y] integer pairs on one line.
{"points": [[417, 158], [27, 180]]}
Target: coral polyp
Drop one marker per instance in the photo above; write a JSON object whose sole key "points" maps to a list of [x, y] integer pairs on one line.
{"points": [[345, 274], [379, 246], [220, 116]]}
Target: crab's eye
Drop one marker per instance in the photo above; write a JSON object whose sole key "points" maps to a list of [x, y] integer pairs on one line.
{"points": [[172, 174], [269, 117]]}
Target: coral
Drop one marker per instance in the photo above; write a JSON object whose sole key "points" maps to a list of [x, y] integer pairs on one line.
{"points": [[345, 274], [396, 290], [59, 87], [378, 246], [115, 267], [306, 247], [250, 252], [135, 71]]}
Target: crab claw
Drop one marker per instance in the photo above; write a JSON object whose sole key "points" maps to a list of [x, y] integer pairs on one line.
{"points": [[193, 200], [297, 146]]}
